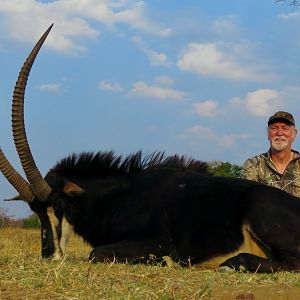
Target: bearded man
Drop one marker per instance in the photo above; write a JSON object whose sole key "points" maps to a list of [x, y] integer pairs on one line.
{"points": [[280, 166]]}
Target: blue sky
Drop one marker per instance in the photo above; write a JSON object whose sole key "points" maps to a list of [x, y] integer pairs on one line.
{"points": [[198, 78]]}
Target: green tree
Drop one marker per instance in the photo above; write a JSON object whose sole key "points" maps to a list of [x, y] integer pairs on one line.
{"points": [[219, 168], [31, 222], [289, 2]]}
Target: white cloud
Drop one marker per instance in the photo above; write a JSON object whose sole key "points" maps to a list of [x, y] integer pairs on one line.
{"points": [[288, 16], [262, 102], [50, 87], [199, 132], [164, 80], [141, 88], [207, 108], [109, 86], [236, 101], [38, 16], [156, 58], [25, 20], [231, 140], [137, 18], [221, 60], [225, 25]]}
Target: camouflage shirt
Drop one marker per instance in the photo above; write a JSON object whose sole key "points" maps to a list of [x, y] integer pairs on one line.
{"points": [[261, 168]]}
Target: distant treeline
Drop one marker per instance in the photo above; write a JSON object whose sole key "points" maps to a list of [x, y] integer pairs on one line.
{"points": [[8, 221], [219, 168]]}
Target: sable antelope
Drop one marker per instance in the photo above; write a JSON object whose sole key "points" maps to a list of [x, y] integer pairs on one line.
{"points": [[137, 210]]}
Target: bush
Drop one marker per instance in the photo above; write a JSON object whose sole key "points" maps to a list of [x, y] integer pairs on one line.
{"points": [[219, 168], [31, 222]]}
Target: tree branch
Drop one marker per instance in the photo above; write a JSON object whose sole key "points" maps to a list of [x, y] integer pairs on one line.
{"points": [[289, 2]]}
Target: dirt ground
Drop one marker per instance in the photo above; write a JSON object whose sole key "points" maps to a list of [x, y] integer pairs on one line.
{"points": [[258, 293]]}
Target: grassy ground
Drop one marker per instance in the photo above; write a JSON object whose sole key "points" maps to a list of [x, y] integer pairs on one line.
{"points": [[24, 275]]}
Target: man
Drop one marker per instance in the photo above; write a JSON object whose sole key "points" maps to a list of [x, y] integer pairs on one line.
{"points": [[280, 166]]}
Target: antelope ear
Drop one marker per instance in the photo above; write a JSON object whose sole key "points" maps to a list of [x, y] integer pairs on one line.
{"points": [[72, 189]]}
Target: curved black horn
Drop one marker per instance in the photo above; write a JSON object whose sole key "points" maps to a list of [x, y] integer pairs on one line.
{"points": [[15, 179], [39, 186]]}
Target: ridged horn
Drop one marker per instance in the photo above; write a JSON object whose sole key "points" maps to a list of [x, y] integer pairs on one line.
{"points": [[15, 179], [39, 186]]}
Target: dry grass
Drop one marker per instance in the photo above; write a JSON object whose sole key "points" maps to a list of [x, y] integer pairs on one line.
{"points": [[24, 275]]}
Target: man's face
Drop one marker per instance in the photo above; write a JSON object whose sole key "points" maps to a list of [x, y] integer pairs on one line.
{"points": [[281, 135]]}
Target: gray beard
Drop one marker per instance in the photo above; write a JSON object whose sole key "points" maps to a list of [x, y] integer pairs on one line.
{"points": [[279, 146]]}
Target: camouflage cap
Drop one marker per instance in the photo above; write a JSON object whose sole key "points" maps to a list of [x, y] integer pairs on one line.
{"points": [[282, 116]]}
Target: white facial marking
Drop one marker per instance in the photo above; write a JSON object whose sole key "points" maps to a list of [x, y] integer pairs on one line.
{"points": [[66, 231], [54, 224]]}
